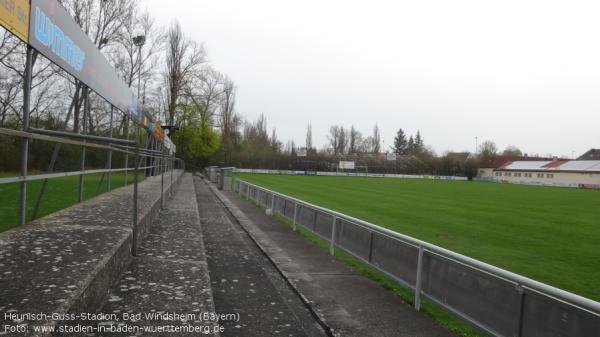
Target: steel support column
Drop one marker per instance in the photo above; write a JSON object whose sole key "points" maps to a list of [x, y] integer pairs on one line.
{"points": [[25, 141]]}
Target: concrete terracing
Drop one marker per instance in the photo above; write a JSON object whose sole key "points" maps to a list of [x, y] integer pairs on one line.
{"points": [[168, 276], [68, 261]]}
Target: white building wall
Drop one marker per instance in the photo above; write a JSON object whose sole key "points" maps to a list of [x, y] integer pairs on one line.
{"points": [[566, 179], [486, 173]]}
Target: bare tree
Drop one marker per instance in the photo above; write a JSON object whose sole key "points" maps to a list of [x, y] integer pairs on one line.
{"points": [[103, 21], [227, 116], [342, 141], [184, 57], [354, 141], [206, 88], [376, 139], [309, 143], [334, 139], [132, 62]]}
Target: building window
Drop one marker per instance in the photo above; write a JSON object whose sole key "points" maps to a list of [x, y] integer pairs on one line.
{"points": [[540, 175], [550, 176]]}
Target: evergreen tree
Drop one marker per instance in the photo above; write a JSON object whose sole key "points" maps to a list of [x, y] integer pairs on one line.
{"points": [[400, 142], [419, 145], [410, 146]]}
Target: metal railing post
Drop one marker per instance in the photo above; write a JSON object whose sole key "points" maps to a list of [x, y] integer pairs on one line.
{"points": [[419, 279], [295, 216], [110, 151], [153, 158], [371, 247], [126, 153], [273, 203], [54, 157], [332, 241], [25, 141], [86, 106], [162, 179], [521, 310], [136, 164]]}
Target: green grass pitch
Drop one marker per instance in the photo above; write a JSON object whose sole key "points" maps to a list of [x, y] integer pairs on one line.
{"points": [[545, 233], [61, 193]]}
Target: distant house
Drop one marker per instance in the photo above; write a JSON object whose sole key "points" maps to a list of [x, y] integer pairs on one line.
{"points": [[487, 167], [555, 172], [592, 154]]}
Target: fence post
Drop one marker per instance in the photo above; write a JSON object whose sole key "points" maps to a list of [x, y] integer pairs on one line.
{"points": [[371, 247], [136, 165], [295, 216], [332, 241], [419, 279], [273, 204], [162, 178], [86, 106], [110, 151], [25, 141], [126, 164], [521, 310]]}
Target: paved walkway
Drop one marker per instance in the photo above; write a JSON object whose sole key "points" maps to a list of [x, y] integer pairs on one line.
{"points": [[244, 281], [348, 303]]}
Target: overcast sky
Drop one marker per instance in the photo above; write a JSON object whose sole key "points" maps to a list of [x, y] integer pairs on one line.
{"points": [[524, 73]]}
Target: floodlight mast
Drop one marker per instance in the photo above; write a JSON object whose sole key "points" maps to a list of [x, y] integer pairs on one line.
{"points": [[139, 41]]}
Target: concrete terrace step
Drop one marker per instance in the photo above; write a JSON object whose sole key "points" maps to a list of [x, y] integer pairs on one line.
{"points": [[169, 275], [67, 261]]}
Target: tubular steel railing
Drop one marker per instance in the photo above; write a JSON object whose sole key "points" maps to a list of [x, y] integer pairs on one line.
{"points": [[161, 159], [162, 162], [498, 302]]}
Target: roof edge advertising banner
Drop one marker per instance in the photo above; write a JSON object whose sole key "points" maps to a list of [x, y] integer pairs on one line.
{"points": [[14, 16], [54, 33]]}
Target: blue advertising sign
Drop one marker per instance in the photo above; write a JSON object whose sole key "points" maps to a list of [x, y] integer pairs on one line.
{"points": [[54, 33]]}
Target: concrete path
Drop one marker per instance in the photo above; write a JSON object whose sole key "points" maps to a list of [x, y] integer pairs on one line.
{"points": [[245, 282], [347, 302]]}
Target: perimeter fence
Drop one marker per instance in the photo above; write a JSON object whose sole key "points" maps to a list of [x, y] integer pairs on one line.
{"points": [[496, 301]]}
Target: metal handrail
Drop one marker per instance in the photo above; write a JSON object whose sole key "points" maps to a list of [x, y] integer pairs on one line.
{"points": [[11, 180], [565, 296], [67, 134], [54, 139]]}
